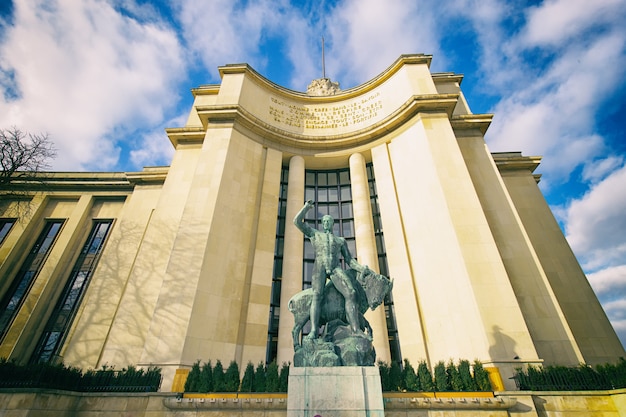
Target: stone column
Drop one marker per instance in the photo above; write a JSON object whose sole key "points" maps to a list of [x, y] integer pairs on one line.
{"points": [[292, 258], [366, 247]]}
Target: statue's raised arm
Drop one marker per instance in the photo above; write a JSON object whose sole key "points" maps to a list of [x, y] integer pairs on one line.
{"points": [[299, 219]]}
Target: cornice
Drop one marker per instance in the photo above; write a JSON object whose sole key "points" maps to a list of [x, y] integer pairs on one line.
{"points": [[217, 115], [514, 161], [71, 181], [150, 175], [472, 121], [342, 95], [87, 181], [185, 135], [206, 90], [447, 76]]}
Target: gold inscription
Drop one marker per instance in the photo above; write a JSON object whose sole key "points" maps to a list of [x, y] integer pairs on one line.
{"points": [[327, 116]]}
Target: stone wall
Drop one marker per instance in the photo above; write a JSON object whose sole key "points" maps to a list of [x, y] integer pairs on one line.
{"points": [[44, 403]]}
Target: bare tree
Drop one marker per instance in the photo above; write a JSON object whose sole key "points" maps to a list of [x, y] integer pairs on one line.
{"points": [[23, 155]]}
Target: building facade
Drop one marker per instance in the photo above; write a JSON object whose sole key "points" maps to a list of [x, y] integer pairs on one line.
{"points": [[197, 260]]}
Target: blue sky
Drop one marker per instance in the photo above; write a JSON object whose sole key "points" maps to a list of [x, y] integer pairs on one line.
{"points": [[104, 78]]}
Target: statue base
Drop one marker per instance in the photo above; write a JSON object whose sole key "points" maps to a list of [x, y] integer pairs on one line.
{"points": [[339, 346], [339, 391]]}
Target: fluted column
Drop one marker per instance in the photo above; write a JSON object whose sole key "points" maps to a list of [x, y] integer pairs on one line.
{"points": [[292, 258], [366, 247]]}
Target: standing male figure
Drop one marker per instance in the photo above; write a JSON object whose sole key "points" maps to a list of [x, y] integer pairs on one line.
{"points": [[328, 249]]}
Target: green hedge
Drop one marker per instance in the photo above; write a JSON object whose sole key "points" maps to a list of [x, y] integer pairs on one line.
{"points": [[45, 375], [447, 377], [580, 378], [207, 378]]}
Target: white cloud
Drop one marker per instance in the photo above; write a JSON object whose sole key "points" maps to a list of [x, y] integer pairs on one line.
{"points": [[220, 32], [596, 224], [368, 35], [595, 171], [554, 114], [154, 148], [557, 21], [608, 281], [84, 72]]}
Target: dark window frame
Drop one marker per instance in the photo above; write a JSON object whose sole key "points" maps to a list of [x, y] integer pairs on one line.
{"points": [[20, 287], [60, 321]]}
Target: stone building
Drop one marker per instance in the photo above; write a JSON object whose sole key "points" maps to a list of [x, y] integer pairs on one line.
{"points": [[197, 260]]}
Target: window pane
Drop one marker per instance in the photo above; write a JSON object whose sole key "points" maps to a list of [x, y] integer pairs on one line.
{"points": [[278, 268], [346, 193], [380, 243], [347, 228], [333, 194], [280, 243], [346, 210], [309, 194], [333, 210], [332, 178], [352, 247], [344, 177], [322, 194], [377, 226], [309, 253], [5, 227], [322, 179], [310, 179]]}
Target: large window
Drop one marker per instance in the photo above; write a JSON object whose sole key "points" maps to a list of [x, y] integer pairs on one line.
{"points": [[331, 192], [15, 296], [272, 336], [392, 328], [5, 228], [59, 322]]}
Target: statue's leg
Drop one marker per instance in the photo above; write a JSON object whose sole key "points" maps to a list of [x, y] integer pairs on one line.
{"points": [[315, 315], [295, 333], [344, 285], [365, 325], [318, 279]]}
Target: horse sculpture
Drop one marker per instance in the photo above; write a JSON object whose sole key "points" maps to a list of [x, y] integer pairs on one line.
{"points": [[371, 291]]}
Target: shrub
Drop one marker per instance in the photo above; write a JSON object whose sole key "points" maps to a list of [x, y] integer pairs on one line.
{"points": [[284, 378], [218, 377], [272, 380], [383, 371], [395, 376], [59, 376], [231, 377], [465, 374], [259, 378], [481, 377], [615, 375], [409, 378], [193, 379], [247, 382], [441, 377], [425, 377], [561, 378], [206, 378], [454, 377]]}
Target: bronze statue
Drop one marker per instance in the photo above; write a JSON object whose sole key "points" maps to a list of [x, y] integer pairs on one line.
{"points": [[328, 249], [336, 296]]}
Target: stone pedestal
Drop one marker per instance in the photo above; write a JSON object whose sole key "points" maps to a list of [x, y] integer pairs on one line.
{"points": [[339, 391]]}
